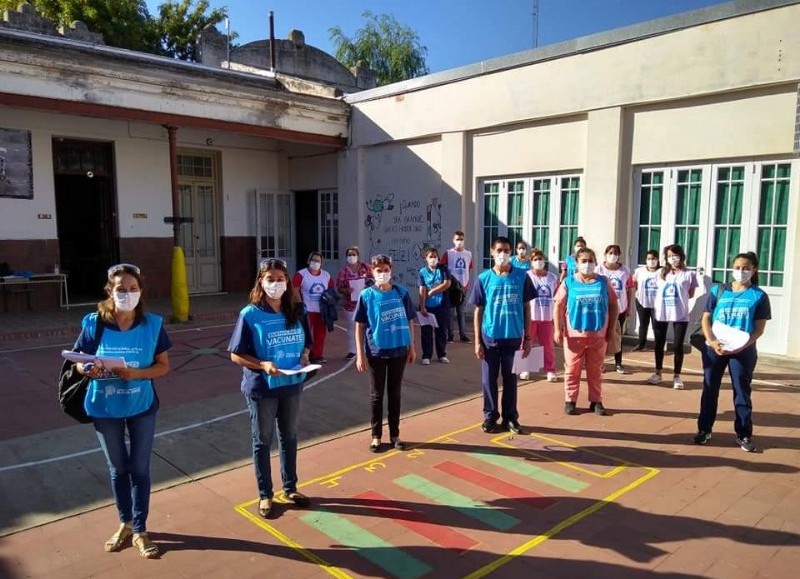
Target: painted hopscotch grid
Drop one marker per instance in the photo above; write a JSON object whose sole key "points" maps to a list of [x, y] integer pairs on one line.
{"points": [[459, 503]]}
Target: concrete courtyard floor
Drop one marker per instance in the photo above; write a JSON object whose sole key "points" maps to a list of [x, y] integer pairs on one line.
{"points": [[623, 495]]}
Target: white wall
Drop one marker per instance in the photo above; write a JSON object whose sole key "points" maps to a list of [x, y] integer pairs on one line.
{"points": [[314, 172]]}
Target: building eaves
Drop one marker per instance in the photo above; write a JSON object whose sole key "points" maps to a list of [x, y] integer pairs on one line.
{"points": [[576, 46]]}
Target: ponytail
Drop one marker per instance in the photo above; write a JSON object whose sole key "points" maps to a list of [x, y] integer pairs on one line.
{"points": [[753, 259]]}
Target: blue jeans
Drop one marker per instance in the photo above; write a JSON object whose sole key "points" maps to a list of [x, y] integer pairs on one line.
{"points": [[264, 413], [740, 366], [129, 469], [496, 360]]}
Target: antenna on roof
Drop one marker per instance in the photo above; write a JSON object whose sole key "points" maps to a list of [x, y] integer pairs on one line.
{"points": [[228, 40], [535, 15]]}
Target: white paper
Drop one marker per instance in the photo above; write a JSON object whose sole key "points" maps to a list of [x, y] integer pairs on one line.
{"points": [[429, 320], [731, 338], [533, 363], [108, 362], [356, 287], [300, 369]]}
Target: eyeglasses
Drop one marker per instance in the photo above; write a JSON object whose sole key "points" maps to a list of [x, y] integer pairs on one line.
{"points": [[272, 263], [381, 257], [121, 267]]}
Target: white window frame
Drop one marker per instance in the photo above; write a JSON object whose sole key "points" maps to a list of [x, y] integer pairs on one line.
{"points": [[328, 224]]}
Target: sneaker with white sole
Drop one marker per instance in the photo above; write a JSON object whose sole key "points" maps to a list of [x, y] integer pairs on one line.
{"points": [[654, 379], [746, 444], [444, 360], [551, 377], [677, 383], [702, 437], [621, 369], [524, 375], [426, 361]]}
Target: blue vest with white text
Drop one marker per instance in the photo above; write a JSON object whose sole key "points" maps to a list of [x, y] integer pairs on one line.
{"points": [[274, 342], [504, 314], [587, 304], [388, 322], [432, 279], [737, 309]]}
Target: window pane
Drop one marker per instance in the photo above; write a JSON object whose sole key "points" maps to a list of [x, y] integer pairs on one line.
{"points": [[765, 204], [784, 171], [781, 202]]}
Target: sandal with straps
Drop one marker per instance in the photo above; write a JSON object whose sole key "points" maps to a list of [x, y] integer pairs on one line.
{"points": [[147, 548], [118, 539]]}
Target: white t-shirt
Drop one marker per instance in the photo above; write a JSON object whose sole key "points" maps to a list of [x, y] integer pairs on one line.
{"points": [[313, 287], [546, 287], [620, 280], [672, 296], [458, 262], [646, 286]]}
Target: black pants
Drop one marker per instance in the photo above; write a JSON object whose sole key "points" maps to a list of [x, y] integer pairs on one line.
{"points": [[386, 374], [678, 336], [621, 320], [645, 315], [431, 335]]}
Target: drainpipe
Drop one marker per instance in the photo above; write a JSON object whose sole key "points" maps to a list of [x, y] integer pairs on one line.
{"points": [[179, 289], [271, 42]]}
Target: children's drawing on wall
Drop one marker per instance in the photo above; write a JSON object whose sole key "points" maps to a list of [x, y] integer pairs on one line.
{"points": [[402, 228]]}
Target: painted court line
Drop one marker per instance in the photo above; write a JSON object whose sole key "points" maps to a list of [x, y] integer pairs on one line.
{"points": [[494, 484], [472, 508], [417, 522], [394, 561], [518, 466]]}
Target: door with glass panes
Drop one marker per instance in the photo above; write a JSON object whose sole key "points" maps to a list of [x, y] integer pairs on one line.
{"points": [[716, 211], [541, 210], [198, 236], [275, 226]]}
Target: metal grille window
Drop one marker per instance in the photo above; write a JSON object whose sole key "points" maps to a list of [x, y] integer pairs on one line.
{"points": [[329, 224], [773, 209], [652, 195]]}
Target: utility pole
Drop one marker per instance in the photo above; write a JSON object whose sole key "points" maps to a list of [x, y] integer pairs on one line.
{"points": [[535, 15]]}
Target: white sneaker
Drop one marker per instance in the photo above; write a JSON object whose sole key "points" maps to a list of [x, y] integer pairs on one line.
{"points": [[654, 379], [444, 360], [677, 383], [426, 361], [551, 377], [524, 375]]}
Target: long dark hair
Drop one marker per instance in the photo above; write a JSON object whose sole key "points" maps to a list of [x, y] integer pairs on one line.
{"points": [[753, 259], [677, 250], [258, 296]]}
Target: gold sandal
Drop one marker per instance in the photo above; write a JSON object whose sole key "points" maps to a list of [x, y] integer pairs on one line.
{"points": [[147, 548], [118, 539]]}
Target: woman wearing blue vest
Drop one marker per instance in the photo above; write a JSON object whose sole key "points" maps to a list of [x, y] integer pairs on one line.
{"points": [[521, 259], [126, 400], [272, 334], [385, 343], [570, 265], [744, 306], [588, 304], [434, 281]]}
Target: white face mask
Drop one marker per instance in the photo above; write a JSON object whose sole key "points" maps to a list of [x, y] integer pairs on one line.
{"points": [[126, 301], [586, 268], [352, 259], [521, 251], [459, 244], [382, 278], [612, 258], [501, 258], [674, 260], [538, 264], [314, 265], [742, 275], [433, 261], [576, 249], [652, 263], [274, 289]]}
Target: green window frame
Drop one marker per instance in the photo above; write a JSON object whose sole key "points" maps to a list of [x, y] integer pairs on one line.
{"points": [[540, 215], [687, 212], [491, 218], [773, 215], [727, 220], [568, 220], [651, 200]]}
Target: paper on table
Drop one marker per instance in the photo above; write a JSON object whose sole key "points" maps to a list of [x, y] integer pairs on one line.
{"points": [[731, 338], [300, 369], [533, 363], [356, 287], [108, 362], [429, 320]]}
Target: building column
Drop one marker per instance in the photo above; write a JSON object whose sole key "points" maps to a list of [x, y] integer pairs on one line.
{"points": [[455, 182]]}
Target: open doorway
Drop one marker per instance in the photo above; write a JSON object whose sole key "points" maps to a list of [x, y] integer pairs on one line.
{"points": [[307, 220], [85, 214]]}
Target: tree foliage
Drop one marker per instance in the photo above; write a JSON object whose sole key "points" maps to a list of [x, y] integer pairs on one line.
{"points": [[393, 50], [129, 24]]}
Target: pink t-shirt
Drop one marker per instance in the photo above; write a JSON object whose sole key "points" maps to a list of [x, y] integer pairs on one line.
{"points": [[672, 296]]}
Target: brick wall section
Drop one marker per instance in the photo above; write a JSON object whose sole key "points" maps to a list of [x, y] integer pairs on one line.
{"points": [[37, 256], [153, 255], [238, 263]]}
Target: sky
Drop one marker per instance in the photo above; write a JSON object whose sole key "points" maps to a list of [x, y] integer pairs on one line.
{"points": [[455, 32]]}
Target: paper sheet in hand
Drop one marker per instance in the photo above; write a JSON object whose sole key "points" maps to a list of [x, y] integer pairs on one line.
{"points": [[300, 369], [356, 287], [533, 363], [108, 362], [731, 338], [429, 320]]}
